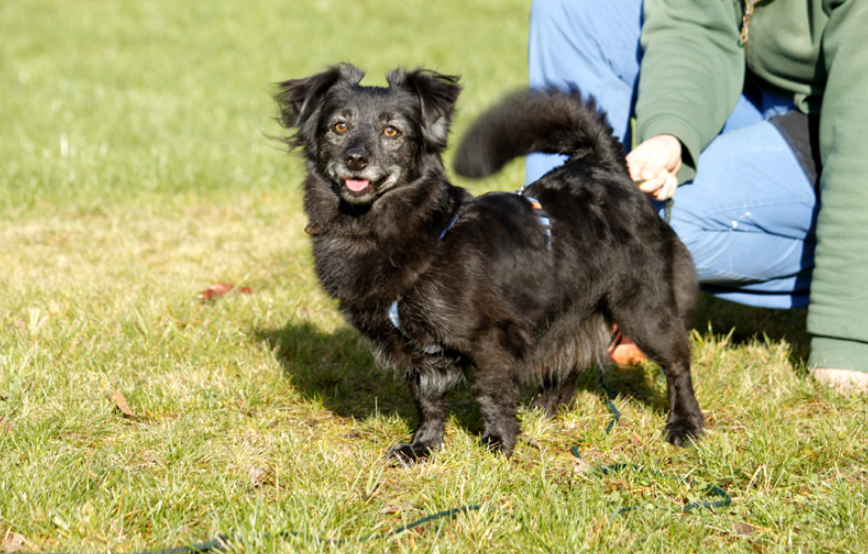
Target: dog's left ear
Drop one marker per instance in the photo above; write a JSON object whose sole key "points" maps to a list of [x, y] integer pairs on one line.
{"points": [[437, 95]]}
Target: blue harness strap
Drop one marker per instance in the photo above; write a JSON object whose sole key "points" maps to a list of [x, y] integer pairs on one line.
{"points": [[542, 215], [452, 223], [392, 312], [544, 221]]}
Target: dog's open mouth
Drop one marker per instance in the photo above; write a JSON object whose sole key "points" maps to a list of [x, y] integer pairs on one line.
{"points": [[363, 187], [357, 185], [358, 189]]}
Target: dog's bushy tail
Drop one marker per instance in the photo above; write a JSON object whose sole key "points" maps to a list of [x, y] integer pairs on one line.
{"points": [[551, 121]]}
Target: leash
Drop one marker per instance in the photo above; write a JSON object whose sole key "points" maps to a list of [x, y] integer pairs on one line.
{"points": [[714, 490], [222, 543]]}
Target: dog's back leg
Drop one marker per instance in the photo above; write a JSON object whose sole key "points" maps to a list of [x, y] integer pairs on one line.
{"points": [[656, 327], [429, 390]]}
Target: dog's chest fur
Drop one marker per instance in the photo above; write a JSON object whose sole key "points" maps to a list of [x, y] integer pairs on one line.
{"points": [[371, 257]]}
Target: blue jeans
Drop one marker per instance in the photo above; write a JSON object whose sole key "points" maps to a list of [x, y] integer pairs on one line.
{"points": [[748, 218]]}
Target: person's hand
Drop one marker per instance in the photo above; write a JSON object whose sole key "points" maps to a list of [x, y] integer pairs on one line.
{"points": [[654, 164]]}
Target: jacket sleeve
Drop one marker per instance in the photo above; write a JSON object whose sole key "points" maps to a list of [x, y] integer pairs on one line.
{"points": [[838, 314], [692, 73]]}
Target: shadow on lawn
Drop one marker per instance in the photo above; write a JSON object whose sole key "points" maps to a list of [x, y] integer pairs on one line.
{"points": [[339, 370]]}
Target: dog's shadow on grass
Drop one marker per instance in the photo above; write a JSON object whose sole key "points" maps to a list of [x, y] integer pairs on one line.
{"points": [[338, 369]]}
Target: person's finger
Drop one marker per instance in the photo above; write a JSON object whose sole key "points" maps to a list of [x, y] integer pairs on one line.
{"points": [[667, 189], [676, 167], [671, 185], [651, 186]]}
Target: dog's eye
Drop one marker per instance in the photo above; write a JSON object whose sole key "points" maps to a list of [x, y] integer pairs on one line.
{"points": [[390, 132], [340, 127]]}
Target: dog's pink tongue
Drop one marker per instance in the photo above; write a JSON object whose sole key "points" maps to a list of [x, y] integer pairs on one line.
{"points": [[357, 185]]}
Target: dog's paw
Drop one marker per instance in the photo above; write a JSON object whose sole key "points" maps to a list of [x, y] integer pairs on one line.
{"points": [[682, 433], [406, 454]]}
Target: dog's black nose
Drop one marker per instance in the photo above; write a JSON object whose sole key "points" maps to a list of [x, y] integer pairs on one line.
{"points": [[356, 160]]}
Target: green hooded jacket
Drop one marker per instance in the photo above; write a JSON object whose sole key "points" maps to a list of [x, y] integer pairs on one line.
{"points": [[698, 54]]}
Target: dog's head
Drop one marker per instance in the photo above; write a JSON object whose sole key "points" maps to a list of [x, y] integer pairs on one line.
{"points": [[368, 140]]}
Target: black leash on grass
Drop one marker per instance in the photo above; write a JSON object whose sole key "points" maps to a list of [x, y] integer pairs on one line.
{"points": [[726, 499], [616, 414], [709, 489], [222, 542]]}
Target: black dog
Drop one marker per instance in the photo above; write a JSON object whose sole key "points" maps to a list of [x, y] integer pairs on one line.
{"points": [[439, 280]]}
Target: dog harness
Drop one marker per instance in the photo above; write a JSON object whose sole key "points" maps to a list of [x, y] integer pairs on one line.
{"points": [[542, 216], [545, 222]]}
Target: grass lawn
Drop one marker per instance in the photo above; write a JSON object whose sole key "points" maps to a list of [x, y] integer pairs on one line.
{"points": [[135, 172]]}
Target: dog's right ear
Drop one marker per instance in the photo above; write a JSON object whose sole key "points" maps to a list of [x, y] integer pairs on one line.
{"points": [[300, 99]]}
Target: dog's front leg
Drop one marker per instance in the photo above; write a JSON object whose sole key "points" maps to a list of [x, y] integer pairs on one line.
{"points": [[497, 395], [495, 385], [429, 390]]}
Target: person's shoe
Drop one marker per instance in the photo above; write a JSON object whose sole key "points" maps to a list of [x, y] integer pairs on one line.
{"points": [[623, 351], [842, 380]]}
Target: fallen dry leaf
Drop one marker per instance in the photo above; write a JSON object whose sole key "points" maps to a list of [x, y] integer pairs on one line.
{"points": [[743, 529], [580, 466], [221, 289], [404, 506], [257, 476], [5, 426], [122, 404], [12, 542]]}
